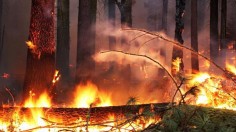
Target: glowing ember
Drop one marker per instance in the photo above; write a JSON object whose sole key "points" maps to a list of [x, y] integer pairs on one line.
{"points": [[33, 48], [56, 77], [5, 75]]}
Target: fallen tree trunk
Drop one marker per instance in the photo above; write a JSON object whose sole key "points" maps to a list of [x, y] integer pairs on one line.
{"points": [[95, 114]]}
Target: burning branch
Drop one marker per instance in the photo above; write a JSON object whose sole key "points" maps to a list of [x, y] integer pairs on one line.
{"points": [[180, 46]]}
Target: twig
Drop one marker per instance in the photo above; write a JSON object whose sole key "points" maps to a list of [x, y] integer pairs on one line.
{"points": [[182, 47], [12, 97], [145, 56]]}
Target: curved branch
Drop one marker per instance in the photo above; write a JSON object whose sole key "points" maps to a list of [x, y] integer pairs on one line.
{"points": [[145, 56], [182, 47]]}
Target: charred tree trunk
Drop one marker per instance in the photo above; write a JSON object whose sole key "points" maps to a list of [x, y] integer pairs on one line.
{"points": [[1, 29], [214, 46], [223, 43], [40, 64], [194, 36], [179, 27], [125, 8], [164, 15], [86, 40], [112, 17], [164, 29], [63, 40]]}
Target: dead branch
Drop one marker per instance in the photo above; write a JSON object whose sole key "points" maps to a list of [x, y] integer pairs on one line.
{"points": [[145, 56], [182, 47]]}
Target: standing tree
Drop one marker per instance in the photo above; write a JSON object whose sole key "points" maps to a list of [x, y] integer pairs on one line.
{"points": [[1, 31], [86, 40], [63, 40], [223, 24], [112, 17], [214, 46], [125, 8], [40, 65], [179, 27], [194, 36]]}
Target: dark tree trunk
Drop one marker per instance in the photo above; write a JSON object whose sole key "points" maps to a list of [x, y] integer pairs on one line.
{"points": [[194, 36], [112, 17], [164, 15], [125, 7], [179, 27], [1, 29], [86, 40], [164, 29], [63, 40], [40, 64], [214, 46], [223, 43]]}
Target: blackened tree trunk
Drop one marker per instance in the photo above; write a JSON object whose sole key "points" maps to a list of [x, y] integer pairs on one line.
{"points": [[1, 29], [63, 40], [164, 15], [194, 36], [40, 65], [86, 40], [164, 29], [179, 27], [223, 43], [214, 45], [125, 7], [112, 17]]}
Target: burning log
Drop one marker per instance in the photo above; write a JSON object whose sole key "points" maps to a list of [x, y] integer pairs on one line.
{"points": [[96, 114]]}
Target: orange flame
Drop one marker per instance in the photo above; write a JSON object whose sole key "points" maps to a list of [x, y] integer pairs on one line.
{"points": [[87, 95], [56, 77]]}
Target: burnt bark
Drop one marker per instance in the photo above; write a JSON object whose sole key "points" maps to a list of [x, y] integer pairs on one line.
{"points": [[214, 45], [86, 40], [63, 40], [194, 36], [40, 64], [223, 43], [179, 27]]}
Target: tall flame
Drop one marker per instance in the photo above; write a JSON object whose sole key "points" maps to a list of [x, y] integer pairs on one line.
{"points": [[88, 94]]}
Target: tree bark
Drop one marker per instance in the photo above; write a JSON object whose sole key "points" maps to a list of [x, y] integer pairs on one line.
{"points": [[214, 46], [194, 36], [63, 40], [86, 40], [40, 64], [97, 114], [179, 27], [223, 43]]}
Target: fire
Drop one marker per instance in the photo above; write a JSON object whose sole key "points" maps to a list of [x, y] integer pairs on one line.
{"points": [[88, 94], [176, 64], [56, 77], [33, 48], [211, 92], [5, 75], [231, 68], [43, 101]]}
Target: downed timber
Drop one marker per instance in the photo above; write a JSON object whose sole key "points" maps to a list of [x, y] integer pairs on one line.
{"points": [[95, 114]]}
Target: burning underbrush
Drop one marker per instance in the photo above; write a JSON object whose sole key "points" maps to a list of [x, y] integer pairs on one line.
{"points": [[177, 102]]}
